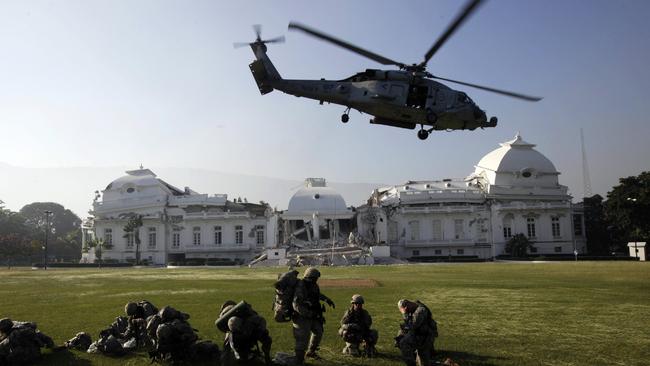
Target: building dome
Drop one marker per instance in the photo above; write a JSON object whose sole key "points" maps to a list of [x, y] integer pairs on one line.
{"points": [[133, 179], [517, 163], [315, 196], [516, 155], [136, 183]]}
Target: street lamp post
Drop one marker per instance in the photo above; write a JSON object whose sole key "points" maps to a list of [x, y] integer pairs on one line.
{"points": [[47, 229], [636, 250]]}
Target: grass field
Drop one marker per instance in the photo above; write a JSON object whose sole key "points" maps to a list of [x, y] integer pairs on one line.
{"points": [[584, 313]]}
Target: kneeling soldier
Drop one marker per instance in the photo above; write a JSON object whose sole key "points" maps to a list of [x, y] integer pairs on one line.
{"points": [[355, 329], [417, 333], [244, 330]]}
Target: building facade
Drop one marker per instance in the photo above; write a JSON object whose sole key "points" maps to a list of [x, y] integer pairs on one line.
{"points": [[176, 225], [513, 189]]}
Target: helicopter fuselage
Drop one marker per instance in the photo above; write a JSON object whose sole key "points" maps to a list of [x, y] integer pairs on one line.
{"points": [[395, 98]]}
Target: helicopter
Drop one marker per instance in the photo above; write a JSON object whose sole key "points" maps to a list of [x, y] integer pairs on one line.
{"points": [[404, 98]]}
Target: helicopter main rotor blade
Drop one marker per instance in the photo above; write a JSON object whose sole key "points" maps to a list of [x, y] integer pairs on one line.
{"points": [[493, 90], [371, 55], [240, 44], [274, 40], [453, 27]]}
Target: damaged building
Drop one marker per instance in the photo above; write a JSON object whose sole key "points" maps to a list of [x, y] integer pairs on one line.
{"points": [[513, 189], [176, 225]]}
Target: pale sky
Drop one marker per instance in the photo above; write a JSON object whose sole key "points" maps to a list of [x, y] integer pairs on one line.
{"points": [[119, 83]]}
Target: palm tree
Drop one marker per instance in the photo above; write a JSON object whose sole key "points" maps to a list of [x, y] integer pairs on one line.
{"points": [[132, 227], [98, 244]]}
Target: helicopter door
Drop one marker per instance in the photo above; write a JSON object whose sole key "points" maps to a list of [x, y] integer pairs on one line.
{"points": [[417, 97], [397, 93]]}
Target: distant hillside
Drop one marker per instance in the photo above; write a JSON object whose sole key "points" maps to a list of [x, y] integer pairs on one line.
{"points": [[74, 187]]}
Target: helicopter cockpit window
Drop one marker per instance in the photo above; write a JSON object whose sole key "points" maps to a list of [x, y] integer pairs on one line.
{"points": [[464, 99]]}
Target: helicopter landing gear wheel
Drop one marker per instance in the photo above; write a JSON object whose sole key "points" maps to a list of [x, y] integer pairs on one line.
{"points": [[432, 118], [345, 117], [423, 134]]}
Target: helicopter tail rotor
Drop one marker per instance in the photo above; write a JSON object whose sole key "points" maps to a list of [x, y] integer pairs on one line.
{"points": [[258, 38]]}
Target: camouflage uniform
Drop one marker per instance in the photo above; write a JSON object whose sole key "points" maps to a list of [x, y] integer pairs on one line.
{"points": [[137, 319], [308, 315], [81, 341], [244, 333], [355, 329], [417, 335], [21, 342]]}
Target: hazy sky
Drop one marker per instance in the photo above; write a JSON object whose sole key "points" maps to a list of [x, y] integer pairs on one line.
{"points": [[111, 83]]}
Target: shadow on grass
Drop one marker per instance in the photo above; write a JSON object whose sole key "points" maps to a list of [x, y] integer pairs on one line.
{"points": [[462, 358], [63, 357], [466, 358]]}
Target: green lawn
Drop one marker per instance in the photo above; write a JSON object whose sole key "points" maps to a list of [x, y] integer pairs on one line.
{"points": [[585, 313]]}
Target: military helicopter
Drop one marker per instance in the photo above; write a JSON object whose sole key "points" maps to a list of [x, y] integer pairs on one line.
{"points": [[401, 98]]}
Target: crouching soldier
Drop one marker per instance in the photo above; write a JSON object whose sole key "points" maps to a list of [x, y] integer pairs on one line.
{"points": [[355, 329], [21, 342], [308, 315], [244, 328], [137, 316], [417, 333]]}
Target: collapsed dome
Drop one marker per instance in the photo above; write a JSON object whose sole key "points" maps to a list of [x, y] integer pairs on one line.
{"points": [[315, 196]]}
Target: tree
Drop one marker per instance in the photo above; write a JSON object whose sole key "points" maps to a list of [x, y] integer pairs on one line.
{"points": [[98, 244], [65, 228], [62, 220], [596, 224], [16, 238], [132, 227], [518, 246], [628, 208]]}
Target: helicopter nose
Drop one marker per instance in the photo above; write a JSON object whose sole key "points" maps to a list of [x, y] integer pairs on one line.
{"points": [[479, 114]]}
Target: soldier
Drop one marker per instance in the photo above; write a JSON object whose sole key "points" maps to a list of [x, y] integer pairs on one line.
{"points": [[81, 341], [417, 333], [355, 329], [21, 342], [137, 315], [245, 328], [308, 315]]}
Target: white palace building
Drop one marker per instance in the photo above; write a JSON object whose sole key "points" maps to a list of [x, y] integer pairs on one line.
{"points": [[513, 189], [177, 225]]}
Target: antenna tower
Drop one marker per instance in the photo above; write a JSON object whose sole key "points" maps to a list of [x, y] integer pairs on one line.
{"points": [[586, 181]]}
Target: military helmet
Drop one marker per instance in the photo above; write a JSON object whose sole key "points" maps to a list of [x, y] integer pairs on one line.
{"points": [[130, 308], [6, 324], [168, 314], [357, 299], [311, 272], [228, 304], [235, 324]]}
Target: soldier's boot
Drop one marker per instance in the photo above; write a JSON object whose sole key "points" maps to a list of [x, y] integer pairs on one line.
{"points": [[300, 358], [313, 353], [354, 350], [370, 351]]}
